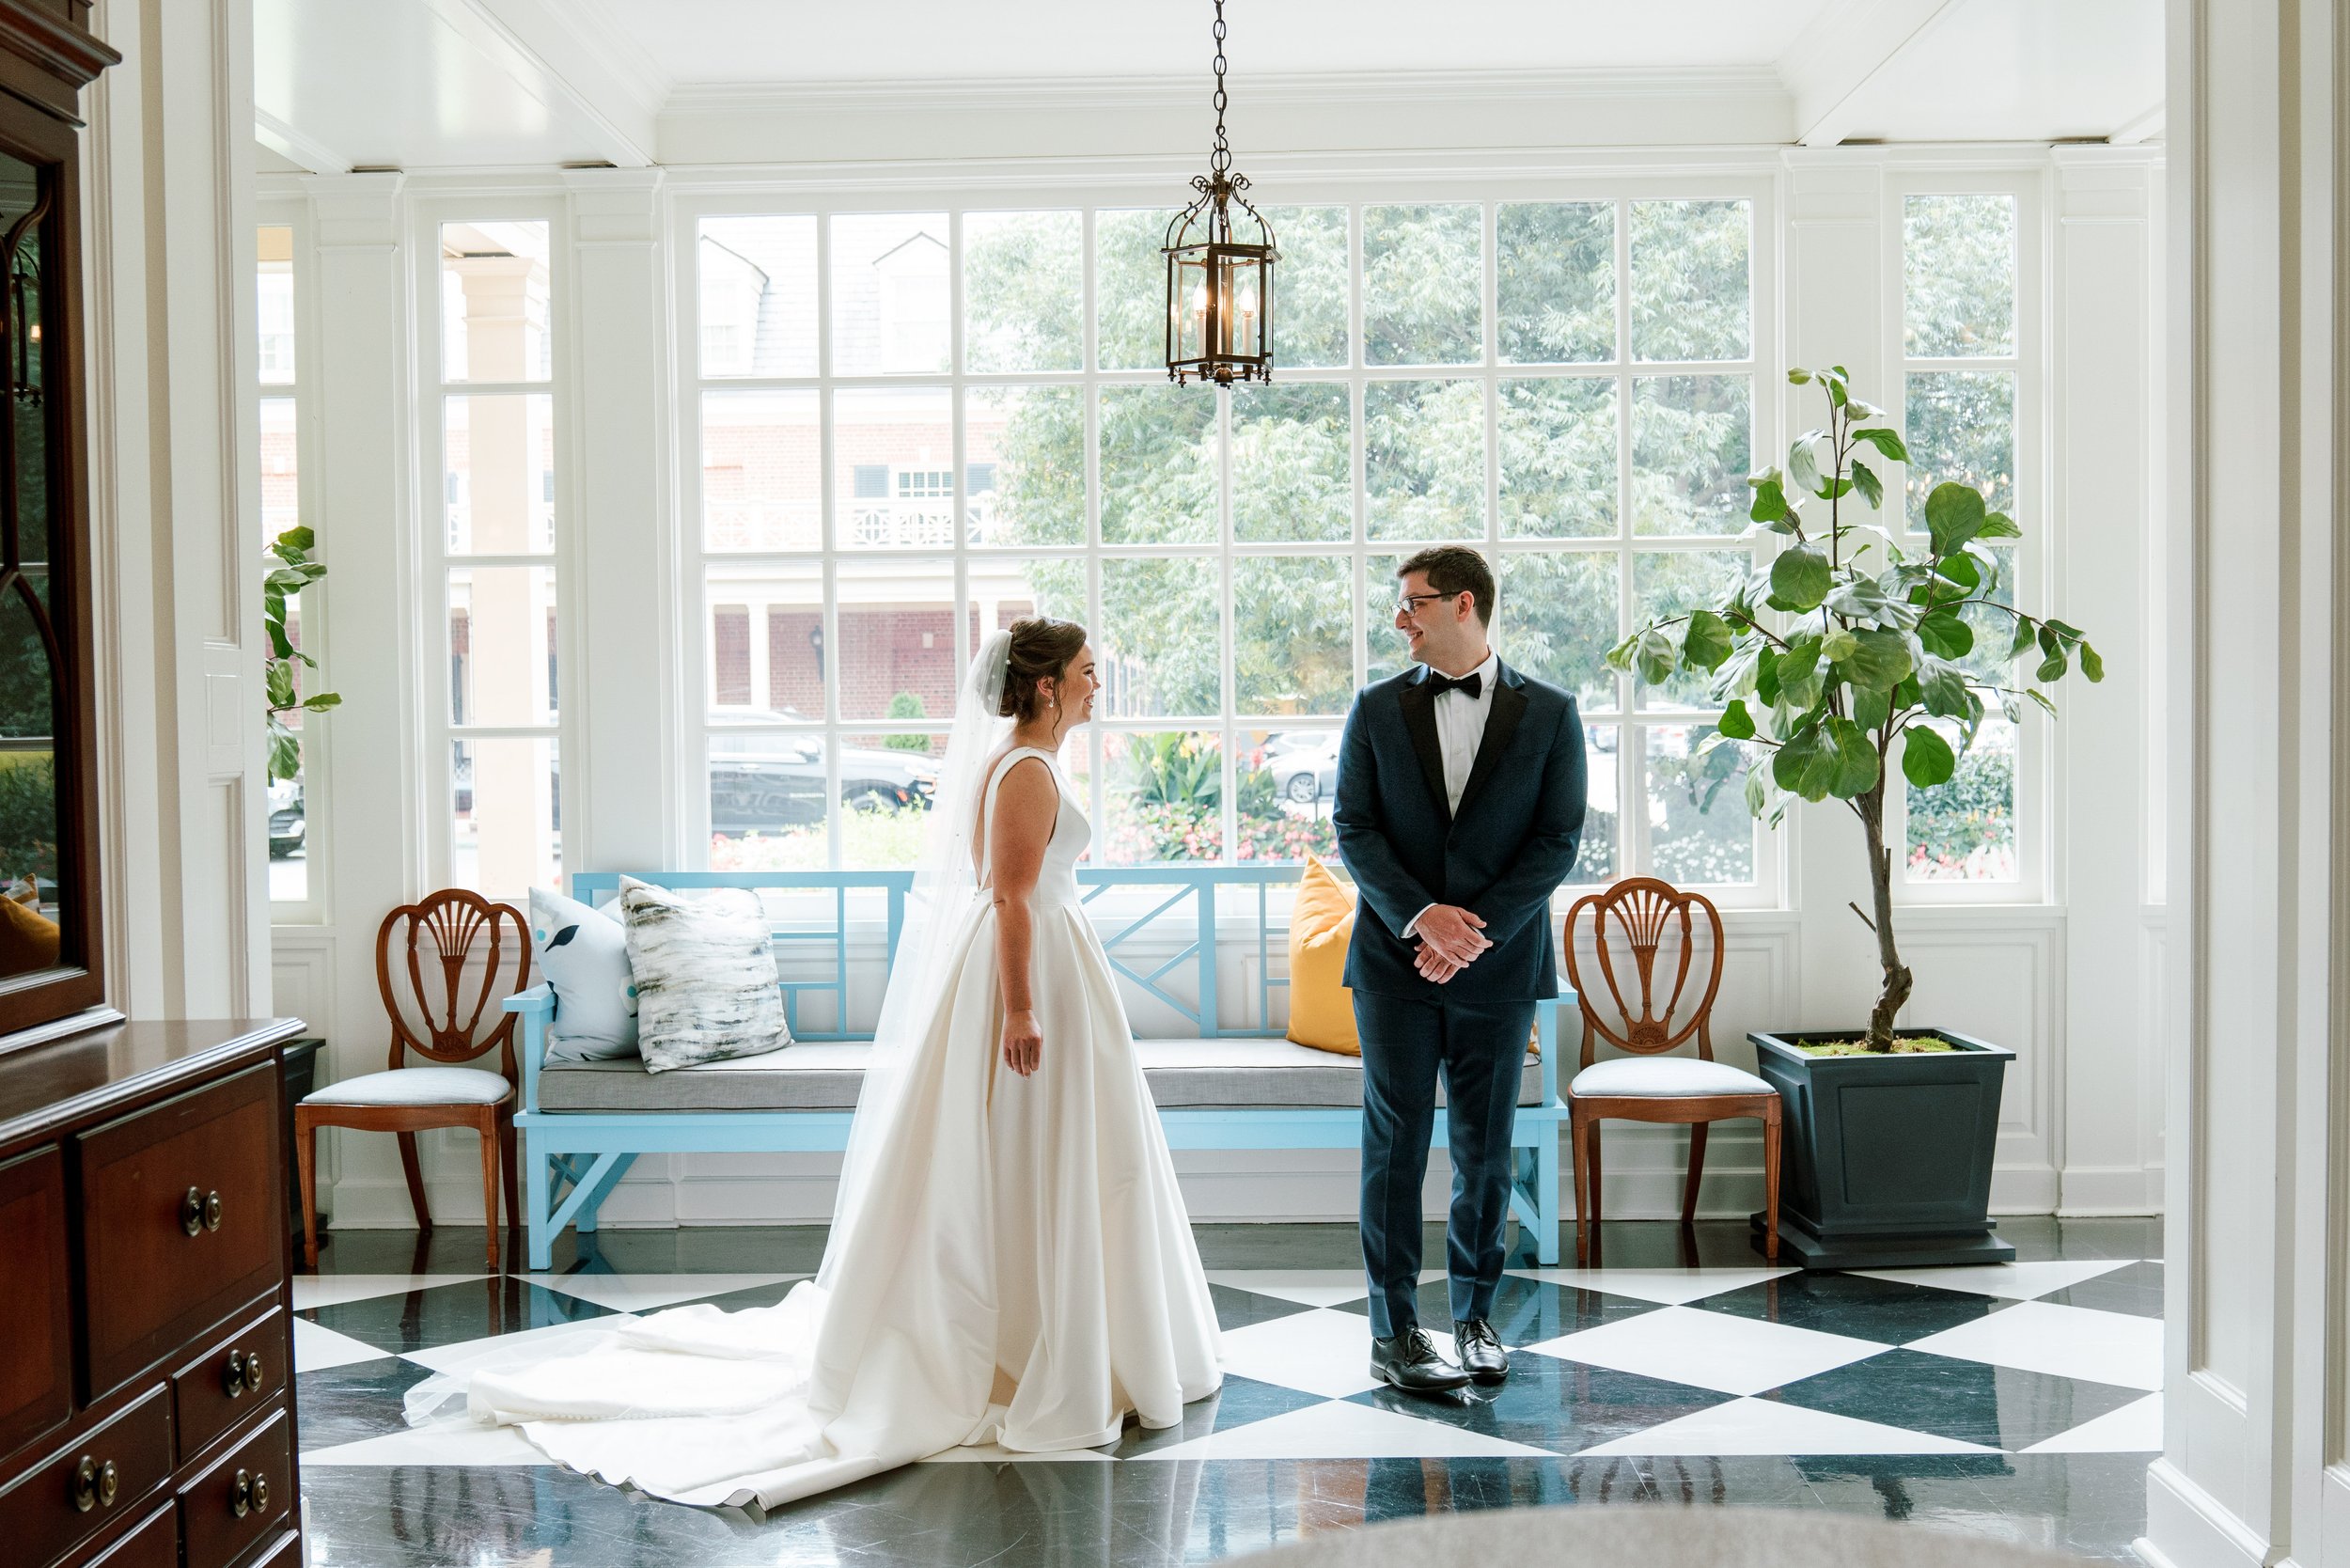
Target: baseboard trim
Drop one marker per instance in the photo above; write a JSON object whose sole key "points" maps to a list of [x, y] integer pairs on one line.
{"points": [[2188, 1528]]}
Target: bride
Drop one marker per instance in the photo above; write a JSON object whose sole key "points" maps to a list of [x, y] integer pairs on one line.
{"points": [[1009, 1260]]}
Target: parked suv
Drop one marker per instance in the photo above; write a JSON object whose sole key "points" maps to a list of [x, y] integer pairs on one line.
{"points": [[766, 782], [287, 829]]}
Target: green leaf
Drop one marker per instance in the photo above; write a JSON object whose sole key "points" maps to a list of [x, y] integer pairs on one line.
{"points": [[2053, 668], [1770, 500], [1654, 657], [1872, 488], [1806, 763], [2068, 632], [1953, 516], [1881, 663], [285, 751], [1766, 677], [1856, 759], [1960, 571], [1803, 462], [2043, 700], [301, 536], [2091, 666], [1708, 642], [1736, 722], [2010, 708], [1797, 376], [1801, 576], [1942, 687], [1999, 525], [1926, 759], [278, 684], [1907, 696], [1944, 632], [1888, 442], [1869, 709], [1839, 645], [1799, 673], [1837, 393], [325, 700], [1865, 599]]}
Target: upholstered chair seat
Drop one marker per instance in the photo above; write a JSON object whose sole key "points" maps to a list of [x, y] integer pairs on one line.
{"points": [[416, 1086], [1657, 1077]]}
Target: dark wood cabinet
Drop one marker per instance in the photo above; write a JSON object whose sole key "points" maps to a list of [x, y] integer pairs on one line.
{"points": [[149, 1257]]}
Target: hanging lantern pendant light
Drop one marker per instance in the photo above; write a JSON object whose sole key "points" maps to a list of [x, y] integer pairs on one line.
{"points": [[1219, 288]]}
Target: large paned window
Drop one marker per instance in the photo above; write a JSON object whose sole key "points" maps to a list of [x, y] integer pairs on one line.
{"points": [[491, 463], [292, 886], [917, 425], [1962, 359]]}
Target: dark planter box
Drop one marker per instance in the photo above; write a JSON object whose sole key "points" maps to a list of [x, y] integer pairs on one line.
{"points": [[1887, 1158]]}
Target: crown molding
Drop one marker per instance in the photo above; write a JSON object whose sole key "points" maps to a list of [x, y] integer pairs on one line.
{"points": [[1314, 89]]}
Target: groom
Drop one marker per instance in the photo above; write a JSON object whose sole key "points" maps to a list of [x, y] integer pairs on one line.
{"points": [[1460, 800]]}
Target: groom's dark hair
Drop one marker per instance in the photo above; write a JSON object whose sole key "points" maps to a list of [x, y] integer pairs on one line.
{"points": [[1455, 569]]}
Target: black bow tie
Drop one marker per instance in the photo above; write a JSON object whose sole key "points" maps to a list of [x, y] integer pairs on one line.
{"points": [[1467, 685]]}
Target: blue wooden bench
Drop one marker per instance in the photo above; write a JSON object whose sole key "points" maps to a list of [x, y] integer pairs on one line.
{"points": [[1217, 1084]]}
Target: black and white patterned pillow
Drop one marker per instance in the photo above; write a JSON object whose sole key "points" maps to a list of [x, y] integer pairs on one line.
{"points": [[705, 973]]}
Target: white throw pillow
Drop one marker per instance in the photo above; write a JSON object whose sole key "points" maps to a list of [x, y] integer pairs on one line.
{"points": [[705, 972], [583, 952]]}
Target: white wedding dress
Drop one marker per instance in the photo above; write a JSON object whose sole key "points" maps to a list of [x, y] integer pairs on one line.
{"points": [[1019, 1271]]}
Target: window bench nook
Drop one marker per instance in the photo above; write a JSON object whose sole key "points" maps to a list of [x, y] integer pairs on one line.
{"points": [[1218, 1085]]}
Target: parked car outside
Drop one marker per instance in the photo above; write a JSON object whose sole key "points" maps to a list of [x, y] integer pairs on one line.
{"points": [[288, 828], [1304, 764], [768, 782]]}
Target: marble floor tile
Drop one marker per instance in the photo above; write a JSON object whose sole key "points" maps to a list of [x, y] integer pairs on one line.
{"points": [[1240, 1400], [363, 1399], [440, 1314], [1889, 1311], [461, 1355], [1236, 1307], [1563, 1406], [2063, 1341], [316, 1348], [1750, 1426], [1667, 1287], [1709, 1350], [1311, 1287], [311, 1291], [2135, 1428], [1342, 1430], [1524, 1310], [2011, 1281], [2134, 1288], [1317, 1351], [643, 1293], [1972, 1402], [439, 1443]]}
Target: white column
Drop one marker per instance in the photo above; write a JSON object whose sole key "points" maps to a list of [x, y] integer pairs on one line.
{"points": [[2105, 531], [623, 708], [2253, 1465], [176, 509]]}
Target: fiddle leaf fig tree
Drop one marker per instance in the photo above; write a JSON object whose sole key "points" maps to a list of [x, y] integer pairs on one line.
{"points": [[290, 570], [1832, 662]]}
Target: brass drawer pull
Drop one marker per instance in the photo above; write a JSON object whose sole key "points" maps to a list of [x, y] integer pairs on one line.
{"points": [[240, 1494], [199, 1211], [95, 1486], [233, 1376]]}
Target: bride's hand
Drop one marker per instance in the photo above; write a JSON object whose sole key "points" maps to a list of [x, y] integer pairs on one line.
{"points": [[1024, 1043]]}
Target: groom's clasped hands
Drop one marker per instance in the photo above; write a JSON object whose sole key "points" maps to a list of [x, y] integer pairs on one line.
{"points": [[1451, 938]]}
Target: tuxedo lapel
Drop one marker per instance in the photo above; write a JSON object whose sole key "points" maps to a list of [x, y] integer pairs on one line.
{"points": [[1500, 726], [1419, 719]]}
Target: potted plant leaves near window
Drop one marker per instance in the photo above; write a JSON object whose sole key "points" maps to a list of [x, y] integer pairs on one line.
{"points": [[1848, 657]]}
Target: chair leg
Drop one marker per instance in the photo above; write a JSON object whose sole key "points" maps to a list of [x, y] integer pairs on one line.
{"points": [[415, 1180], [488, 1128], [1580, 1137], [1696, 1173], [1599, 1244], [506, 1155], [1770, 1187], [306, 1170]]}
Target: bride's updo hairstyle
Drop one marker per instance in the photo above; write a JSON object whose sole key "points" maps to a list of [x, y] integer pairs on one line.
{"points": [[1042, 649]]}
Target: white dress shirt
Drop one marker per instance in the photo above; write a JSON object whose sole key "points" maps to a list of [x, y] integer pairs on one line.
{"points": [[1460, 730]]}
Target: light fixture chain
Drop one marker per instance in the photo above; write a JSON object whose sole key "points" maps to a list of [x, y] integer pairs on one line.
{"points": [[1222, 158]]}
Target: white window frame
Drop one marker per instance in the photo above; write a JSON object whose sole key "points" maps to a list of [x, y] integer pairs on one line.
{"points": [[293, 214], [431, 623], [1754, 185], [2034, 510]]}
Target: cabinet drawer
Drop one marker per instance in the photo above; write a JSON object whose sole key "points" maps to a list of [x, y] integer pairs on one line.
{"points": [[230, 1381], [80, 1489], [153, 1545], [239, 1499], [37, 1371], [182, 1221]]}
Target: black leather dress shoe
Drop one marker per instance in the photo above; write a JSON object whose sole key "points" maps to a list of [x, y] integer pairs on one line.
{"points": [[1409, 1362], [1481, 1355]]}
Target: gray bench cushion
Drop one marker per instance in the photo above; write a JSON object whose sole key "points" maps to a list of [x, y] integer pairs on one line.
{"points": [[1191, 1074]]}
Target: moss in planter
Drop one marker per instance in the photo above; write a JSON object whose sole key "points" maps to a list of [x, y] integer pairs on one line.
{"points": [[1904, 1045]]}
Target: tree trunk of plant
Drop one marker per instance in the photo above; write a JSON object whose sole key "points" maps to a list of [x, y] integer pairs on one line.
{"points": [[1897, 978]]}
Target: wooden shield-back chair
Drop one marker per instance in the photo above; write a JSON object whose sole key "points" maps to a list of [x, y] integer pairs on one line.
{"points": [[1636, 919], [437, 1011]]}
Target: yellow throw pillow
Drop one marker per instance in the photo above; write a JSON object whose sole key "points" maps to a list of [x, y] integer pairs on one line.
{"points": [[1322, 923], [29, 939]]}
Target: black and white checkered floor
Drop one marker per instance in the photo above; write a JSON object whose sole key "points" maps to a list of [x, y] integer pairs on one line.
{"points": [[2019, 1400]]}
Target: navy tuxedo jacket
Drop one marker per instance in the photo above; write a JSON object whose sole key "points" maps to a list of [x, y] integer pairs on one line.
{"points": [[1500, 857]]}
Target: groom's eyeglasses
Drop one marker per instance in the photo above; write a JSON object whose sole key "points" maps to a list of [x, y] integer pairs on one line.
{"points": [[1411, 602]]}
